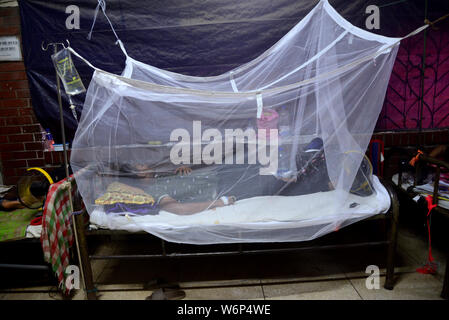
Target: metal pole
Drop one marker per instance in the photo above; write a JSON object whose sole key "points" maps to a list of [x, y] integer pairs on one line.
{"points": [[423, 68], [61, 116], [24, 266], [66, 165]]}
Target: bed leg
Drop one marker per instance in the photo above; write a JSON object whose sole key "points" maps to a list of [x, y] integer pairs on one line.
{"points": [[389, 281], [445, 291], [84, 258]]}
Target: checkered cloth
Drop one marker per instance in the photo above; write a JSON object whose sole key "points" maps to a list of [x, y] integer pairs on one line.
{"points": [[57, 235]]}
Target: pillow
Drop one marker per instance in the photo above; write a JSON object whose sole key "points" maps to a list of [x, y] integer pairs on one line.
{"points": [[121, 193]]}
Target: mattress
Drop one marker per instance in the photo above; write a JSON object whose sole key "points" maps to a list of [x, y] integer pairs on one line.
{"points": [[295, 218]]}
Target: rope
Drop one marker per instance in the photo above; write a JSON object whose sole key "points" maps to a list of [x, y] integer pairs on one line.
{"points": [[430, 267], [426, 21], [75, 213], [95, 289], [431, 23], [416, 158], [423, 71], [392, 3], [430, 207], [276, 90], [101, 4]]}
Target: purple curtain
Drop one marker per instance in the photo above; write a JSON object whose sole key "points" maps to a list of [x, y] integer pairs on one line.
{"points": [[404, 107]]}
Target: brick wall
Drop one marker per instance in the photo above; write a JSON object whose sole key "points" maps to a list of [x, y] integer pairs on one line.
{"points": [[20, 137]]}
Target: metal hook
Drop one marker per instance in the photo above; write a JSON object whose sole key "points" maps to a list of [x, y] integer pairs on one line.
{"points": [[42, 46], [55, 44]]}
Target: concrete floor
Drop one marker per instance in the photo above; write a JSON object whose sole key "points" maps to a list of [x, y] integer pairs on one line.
{"points": [[305, 275]]}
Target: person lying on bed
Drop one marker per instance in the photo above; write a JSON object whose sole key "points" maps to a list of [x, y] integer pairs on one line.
{"points": [[169, 204], [311, 176], [243, 181], [145, 196]]}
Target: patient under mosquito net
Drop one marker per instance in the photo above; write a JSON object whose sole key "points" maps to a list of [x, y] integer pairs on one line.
{"points": [[270, 151]]}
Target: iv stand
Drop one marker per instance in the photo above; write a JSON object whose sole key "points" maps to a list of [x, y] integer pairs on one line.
{"points": [[78, 219]]}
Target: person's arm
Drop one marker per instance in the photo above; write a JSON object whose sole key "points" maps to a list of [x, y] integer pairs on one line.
{"points": [[10, 205], [171, 205]]}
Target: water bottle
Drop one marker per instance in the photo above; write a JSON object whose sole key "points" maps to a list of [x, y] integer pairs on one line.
{"points": [[285, 144], [49, 140], [43, 138]]}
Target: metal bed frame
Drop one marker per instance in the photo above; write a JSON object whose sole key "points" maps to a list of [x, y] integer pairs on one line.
{"points": [[424, 159], [86, 267], [27, 243], [84, 258]]}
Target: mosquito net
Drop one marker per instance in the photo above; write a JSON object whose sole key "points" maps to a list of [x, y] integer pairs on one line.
{"points": [[270, 151]]}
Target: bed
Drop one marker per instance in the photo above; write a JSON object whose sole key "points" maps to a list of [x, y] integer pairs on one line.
{"points": [[255, 213], [295, 99], [406, 183], [382, 205]]}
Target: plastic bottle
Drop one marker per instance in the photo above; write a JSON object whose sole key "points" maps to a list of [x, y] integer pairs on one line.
{"points": [[43, 138], [285, 144], [49, 141], [67, 72]]}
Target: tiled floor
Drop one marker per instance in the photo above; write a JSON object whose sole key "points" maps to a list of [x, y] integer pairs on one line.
{"points": [[322, 275]]}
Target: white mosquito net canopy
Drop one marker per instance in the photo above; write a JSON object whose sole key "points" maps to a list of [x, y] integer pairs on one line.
{"points": [[270, 151]]}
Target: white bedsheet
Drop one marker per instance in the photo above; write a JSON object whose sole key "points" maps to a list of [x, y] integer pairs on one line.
{"points": [[292, 213]]}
